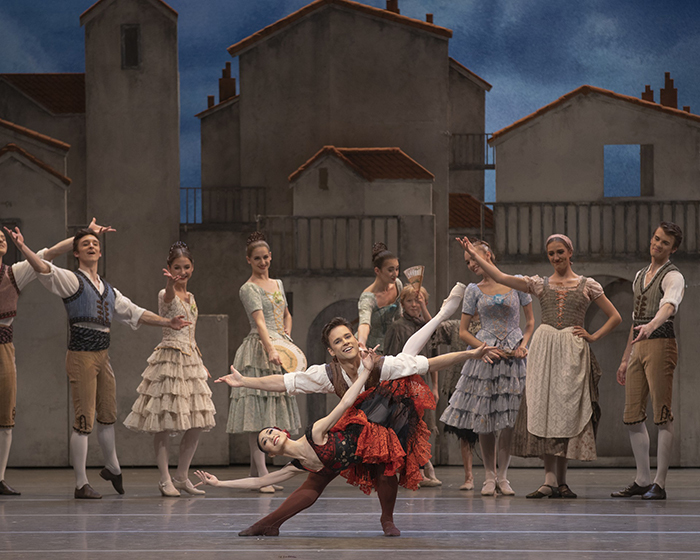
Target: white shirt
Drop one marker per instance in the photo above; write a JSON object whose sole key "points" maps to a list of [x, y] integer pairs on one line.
{"points": [[315, 379], [65, 283], [673, 286], [24, 274]]}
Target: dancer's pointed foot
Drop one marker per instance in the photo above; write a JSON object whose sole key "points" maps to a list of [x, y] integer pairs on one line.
{"points": [[452, 302], [7, 490], [390, 530], [188, 487], [115, 479], [256, 530]]}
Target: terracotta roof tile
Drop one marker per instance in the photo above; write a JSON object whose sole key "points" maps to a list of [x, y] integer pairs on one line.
{"points": [[373, 163], [587, 90], [91, 9], [45, 166], [58, 93], [35, 135], [378, 12], [465, 212], [475, 77]]}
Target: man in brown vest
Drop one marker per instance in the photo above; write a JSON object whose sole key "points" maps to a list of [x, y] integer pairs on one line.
{"points": [[336, 377], [649, 361]]}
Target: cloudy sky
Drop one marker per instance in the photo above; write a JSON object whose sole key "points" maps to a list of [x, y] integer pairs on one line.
{"points": [[532, 51]]}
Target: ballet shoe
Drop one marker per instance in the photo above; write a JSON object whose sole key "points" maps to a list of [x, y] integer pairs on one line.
{"points": [[489, 487], [429, 483], [267, 489], [468, 485], [259, 531], [504, 487], [538, 494], [115, 479], [390, 530], [168, 490], [457, 292], [7, 490], [187, 486], [277, 487], [86, 492]]}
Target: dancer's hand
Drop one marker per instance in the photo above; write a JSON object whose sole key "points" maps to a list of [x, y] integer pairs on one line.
{"points": [[274, 357], [583, 333], [206, 478], [17, 237], [172, 279], [466, 245], [520, 352], [368, 357], [622, 373], [233, 379], [486, 353], [97, 229], [643, 332], [177, 323]]}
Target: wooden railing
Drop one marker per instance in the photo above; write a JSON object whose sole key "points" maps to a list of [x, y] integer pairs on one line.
{"points": [[471, 152], [598, 230], [328, 245], [221, 205]]}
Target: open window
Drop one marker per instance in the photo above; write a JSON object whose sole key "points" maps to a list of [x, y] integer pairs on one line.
{"points": [[629, 170]]}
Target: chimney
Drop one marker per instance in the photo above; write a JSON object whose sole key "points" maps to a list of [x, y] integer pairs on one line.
{"points": [[227, 84], [429, 18], [393, 6], [686, 108], [669, 95], [210, 101], [648, 93]]}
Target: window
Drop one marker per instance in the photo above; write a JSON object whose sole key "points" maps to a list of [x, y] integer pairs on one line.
{"points": [[629, 170], [323, 178], [131, 46]]}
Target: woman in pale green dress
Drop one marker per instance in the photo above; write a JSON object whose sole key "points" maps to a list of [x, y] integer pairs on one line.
{"points": [[379, 306], [266, 306]]}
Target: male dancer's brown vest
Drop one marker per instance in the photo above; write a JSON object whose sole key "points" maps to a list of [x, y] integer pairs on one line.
{"points": [[340, 386], [9, 294], [648, 298]]}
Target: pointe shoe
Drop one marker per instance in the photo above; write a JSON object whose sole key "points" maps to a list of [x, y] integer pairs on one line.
{"points": [[429, 483], [267, 490], [277, 487], [489, 487], [504, 487], [86, 492], [115, 479], [168, 490], [390, 530], [188, 487], [468, 485]]}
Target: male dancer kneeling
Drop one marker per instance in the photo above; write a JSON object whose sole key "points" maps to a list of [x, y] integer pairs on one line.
{"points": [[337, 377]]}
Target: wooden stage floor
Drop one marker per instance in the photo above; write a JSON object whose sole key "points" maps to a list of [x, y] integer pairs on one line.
{"points": [[437, 523]]}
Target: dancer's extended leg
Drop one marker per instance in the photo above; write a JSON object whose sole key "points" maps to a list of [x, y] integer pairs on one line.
{"points": [[421, 337], [302, 498]]}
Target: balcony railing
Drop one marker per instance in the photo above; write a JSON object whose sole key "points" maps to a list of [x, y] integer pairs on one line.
{"points": [[598, 230], [471, 152], [332, 245], [221, 205]]}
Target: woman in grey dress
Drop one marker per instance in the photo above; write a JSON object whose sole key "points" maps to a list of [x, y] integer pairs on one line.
{"points": [[252, 410]]}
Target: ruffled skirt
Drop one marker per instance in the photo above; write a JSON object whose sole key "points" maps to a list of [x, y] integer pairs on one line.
{"points": [[173, 395], [251, 410], [399, 441], [487, 396]]}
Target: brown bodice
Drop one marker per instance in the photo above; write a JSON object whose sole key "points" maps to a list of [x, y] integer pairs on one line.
{"points": [[564, 307]]}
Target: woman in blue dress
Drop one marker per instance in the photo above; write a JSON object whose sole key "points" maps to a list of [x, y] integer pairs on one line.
{"points": [[487, 396]]}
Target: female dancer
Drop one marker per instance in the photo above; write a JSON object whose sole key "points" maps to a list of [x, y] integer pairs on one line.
{"points": [[379, 303], [486, 399], [346, 440], [174, 396], [559, 412], [266, 306]]}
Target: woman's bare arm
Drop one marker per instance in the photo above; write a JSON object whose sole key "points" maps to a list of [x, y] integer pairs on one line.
{"points": [[251, 482]]}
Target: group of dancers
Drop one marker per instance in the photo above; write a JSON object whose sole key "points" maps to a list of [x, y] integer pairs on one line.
{"points": [[531, 393]]}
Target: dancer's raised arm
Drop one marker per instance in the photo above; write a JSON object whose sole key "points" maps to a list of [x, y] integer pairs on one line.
{"points": [[492, 270]]}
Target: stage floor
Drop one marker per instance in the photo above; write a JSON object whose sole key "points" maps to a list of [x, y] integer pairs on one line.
{"points": [[443, 523]]}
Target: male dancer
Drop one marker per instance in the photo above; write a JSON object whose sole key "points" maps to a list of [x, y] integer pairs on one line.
{"points": [[336, 377], [91, 304], [13, 279], [649, 360]]}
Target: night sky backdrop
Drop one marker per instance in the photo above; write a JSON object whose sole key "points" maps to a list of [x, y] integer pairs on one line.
{"points": [[531, 51]]}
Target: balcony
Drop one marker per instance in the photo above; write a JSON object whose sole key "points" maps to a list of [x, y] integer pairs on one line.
{"points": [[328, 245], [599, 230], [221, 206], [471, 152]]}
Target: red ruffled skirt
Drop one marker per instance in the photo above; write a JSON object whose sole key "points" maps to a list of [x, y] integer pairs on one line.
{"points": [[379, 445]]}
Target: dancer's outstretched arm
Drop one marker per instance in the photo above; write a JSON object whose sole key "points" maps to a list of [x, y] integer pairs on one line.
{"points": [[492, 270], [32, 258], [274, 383], [251, 482], [483, 352]]}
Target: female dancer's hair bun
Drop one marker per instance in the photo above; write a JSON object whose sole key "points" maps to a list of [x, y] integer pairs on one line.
{"points": [[380, 253], [255, 236], [179, 249]]}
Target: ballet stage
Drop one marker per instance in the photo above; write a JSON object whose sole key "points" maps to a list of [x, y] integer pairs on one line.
{"points": [[437, 523]]}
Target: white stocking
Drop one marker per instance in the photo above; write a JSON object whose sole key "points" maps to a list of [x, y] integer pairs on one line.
{"points": [[188, 446], [105, 437], [5, 443], [639, 438], [78, 457], [421, 337], [663, 453], [160, 444]]}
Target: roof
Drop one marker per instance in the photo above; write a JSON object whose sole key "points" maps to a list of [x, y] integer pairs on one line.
{"points": [[57, 93], [35, 160], [465, 212], [478, 80], [270, 30], [220, 105], [372, 163], [34, 135], [93, 10], [587, 90]]}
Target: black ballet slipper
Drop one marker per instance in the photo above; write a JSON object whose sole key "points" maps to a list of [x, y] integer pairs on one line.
{"points": [[566, 492], [538, 495]]}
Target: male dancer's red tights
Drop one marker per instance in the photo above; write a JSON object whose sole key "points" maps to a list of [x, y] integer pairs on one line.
{"points": [[305, 496]]}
